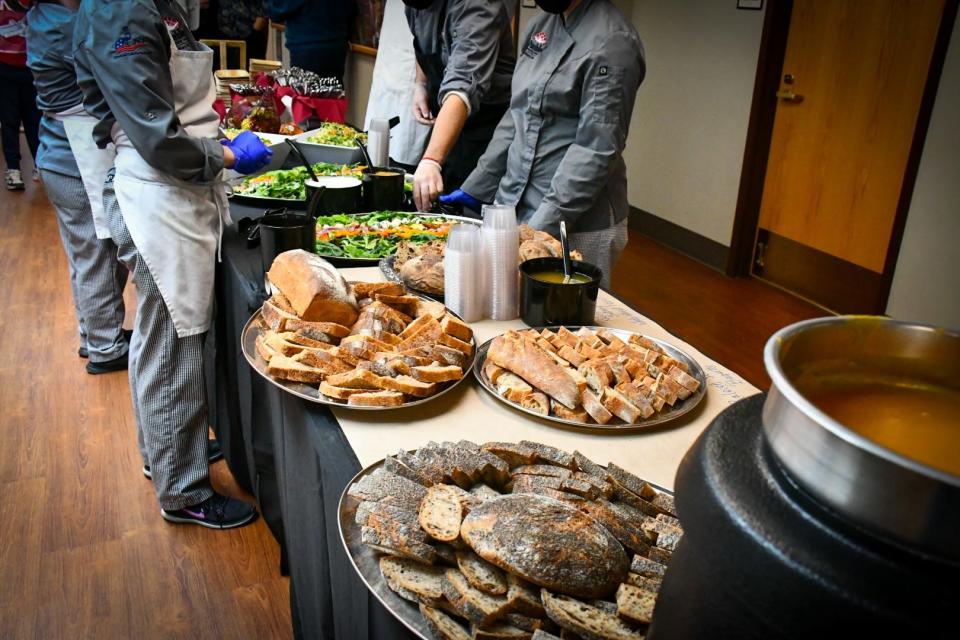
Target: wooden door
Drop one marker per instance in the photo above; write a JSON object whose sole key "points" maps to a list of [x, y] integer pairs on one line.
{"points": [[853, 79]]}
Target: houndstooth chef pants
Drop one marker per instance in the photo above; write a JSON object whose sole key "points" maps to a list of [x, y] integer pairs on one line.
{"points": [[602, 248], [96, 277], [166, 383]]}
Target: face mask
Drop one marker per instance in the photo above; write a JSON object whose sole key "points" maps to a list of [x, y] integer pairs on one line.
{"points": [[418, 4], [552, 6]]}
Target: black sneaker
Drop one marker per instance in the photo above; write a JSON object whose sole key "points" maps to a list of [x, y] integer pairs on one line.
{"points": [[84, 353], [216, 512], [117, 364], [214, 453]]}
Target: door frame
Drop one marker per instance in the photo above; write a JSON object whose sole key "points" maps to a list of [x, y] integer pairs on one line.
{"points": [[773, 47]]}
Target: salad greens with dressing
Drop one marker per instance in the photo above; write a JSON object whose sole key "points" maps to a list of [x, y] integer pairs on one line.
{"points": [[288, 184], [336, 134], [376, 235]]}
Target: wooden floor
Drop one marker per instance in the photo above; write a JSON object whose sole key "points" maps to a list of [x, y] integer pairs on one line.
{"points": [[83, 550]]}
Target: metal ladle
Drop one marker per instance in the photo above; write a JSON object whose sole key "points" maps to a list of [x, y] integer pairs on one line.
{"points": [[565, 248]]}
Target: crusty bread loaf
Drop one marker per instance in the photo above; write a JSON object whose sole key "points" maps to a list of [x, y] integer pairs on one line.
{"points": [[524, 358], [588, 621], [442, 625], [548, 543], [635, 603], [315, 289], [441, 512], [481, 574], [376, 399]]}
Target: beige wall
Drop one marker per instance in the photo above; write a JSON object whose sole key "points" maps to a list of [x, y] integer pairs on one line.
{"points": [[686, 143], [926, 285], [356, 81]]}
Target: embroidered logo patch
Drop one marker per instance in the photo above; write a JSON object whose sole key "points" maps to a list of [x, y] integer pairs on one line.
{"points": [[536, 44], [127, 45]]}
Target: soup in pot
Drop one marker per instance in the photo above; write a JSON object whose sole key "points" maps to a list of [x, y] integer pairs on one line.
{"points": [[557, 277]]}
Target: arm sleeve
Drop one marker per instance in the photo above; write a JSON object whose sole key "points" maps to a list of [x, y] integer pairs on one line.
{"points": [[483, 182], [608, 90], [473, 50], [137, 87]]}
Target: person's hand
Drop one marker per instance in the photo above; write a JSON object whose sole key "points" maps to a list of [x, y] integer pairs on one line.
{"points": [[427, 183], [421, 106], [248, 151], [462, 198], [260, 23]]}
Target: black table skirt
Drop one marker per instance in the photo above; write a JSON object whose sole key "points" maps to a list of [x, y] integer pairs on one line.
{"points": [[293, 456]]}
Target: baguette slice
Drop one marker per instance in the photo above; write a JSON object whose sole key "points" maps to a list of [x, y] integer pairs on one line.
{"points": [[437, 373], [618, 405], [492, 371], [577, 415], [443, 626], [536, 401], [512, 387], [591, 623], [595, 408], [376, 399], [455, 327], [285, 368], [635, 603], [441, 512]]}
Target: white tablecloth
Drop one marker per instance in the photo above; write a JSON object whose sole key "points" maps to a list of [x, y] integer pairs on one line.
{"points": [[469, 412]]}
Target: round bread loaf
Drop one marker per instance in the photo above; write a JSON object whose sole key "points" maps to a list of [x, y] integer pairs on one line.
{"points": [[547, 542]]}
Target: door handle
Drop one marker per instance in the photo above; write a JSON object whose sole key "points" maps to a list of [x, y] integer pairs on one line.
{"points": [[790, 96]]}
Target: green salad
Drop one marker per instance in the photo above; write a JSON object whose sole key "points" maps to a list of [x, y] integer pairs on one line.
{"points": [[233, 133], [376, 235], [288, 184], [338, 135]]}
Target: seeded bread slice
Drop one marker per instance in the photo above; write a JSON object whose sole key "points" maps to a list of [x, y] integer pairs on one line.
{"points": [[647, 584], [550, 455], [542, 470], [659, 555], [540, 634], [443, 626], [421, 579], [499, 631], [586, 465], [647, 568], [441, 513], [481, 574], [389, 543], [524, 598], [529, 623], [475, 605], [591, 623], [630, 537], [514, 454], [635, 603], [382, 483], [484, 492]]}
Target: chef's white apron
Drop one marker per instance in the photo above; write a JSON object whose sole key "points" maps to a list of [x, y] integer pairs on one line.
{"points": [[93, 162], [176, 225]]}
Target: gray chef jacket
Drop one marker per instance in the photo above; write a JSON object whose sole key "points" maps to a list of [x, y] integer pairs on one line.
{"points": [[470, 44], [557, 153], [122, 57], [50, 58]]}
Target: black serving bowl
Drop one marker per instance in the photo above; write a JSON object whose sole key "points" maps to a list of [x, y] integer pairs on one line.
{"points": [[545, 304]]}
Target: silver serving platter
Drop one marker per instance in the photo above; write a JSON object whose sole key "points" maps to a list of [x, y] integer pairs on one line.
{"points": [[366, 561], [682, 408], [248, 340], [391, 274]]}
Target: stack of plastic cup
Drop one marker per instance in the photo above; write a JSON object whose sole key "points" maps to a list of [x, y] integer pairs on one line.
{"points": [[463, 281], [501, 241]]}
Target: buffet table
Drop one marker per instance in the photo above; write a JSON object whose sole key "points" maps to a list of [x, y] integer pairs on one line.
{"points": [[298, 456]]}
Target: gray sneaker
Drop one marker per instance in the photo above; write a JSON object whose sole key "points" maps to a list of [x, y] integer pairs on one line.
{"points": [[13, 179]]}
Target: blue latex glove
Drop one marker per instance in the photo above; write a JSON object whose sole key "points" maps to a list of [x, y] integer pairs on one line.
{"points": [[250, 152], [462, 198]]}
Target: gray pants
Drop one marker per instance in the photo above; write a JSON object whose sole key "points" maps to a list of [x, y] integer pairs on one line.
{"points": [[97, 278], [602, 248], [166, 383]]}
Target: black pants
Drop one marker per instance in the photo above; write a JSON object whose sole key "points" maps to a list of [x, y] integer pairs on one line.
{"points": [[471, 144], [18, 105]]}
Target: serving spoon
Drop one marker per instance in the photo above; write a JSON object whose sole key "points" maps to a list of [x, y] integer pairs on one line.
{"points": [[565, 248]]}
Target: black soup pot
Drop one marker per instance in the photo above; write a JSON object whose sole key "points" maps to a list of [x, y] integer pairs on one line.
{"points": [[383, 189], [544, 304], [281, 230], [333, 194]]}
